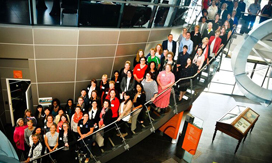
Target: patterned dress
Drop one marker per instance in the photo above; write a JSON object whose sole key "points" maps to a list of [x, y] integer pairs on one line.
{"points": [[163, 100]]}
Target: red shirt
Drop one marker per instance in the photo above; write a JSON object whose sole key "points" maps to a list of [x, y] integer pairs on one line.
{"points": [[138, 71], [115, 107]]}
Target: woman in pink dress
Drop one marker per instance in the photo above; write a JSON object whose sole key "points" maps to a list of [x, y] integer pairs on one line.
{"points": [[165, 79], [18, 137]]}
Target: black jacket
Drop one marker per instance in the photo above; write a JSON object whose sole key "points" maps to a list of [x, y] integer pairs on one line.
{"points": [[124, 84], [174, 45], [96, 117], [224, 16], [71, 139]]}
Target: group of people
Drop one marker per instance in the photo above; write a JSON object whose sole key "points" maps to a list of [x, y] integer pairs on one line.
{"points": [[220, 11], [123, 99]]}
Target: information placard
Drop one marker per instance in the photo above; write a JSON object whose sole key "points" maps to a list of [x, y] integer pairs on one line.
{"points": [[191, 139], [242, 125]]}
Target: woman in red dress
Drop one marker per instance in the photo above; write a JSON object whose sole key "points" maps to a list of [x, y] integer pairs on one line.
{"points": [[165, 79]]}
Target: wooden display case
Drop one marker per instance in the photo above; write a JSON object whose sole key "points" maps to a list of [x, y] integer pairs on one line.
{"points": [[237, 123]]}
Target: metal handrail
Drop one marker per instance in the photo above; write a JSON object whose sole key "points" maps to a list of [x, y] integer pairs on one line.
{"points": [[114, 122], [147, 3]]}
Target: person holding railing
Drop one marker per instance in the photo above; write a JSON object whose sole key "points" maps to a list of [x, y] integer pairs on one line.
{"points": [[51, 141], [198, 61], [266, 11], [85, 128], [165, 79], [214, 44], [253, 10], [186, 71], [35, 150], [150, 87], [139, 101], [124, 114], [68, 140]]}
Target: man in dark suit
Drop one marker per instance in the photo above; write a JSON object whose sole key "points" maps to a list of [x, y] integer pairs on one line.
{"points": [[237, 9], [223, 12], [170, 44]]}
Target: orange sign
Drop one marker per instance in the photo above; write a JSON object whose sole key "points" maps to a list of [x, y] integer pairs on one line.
{"points": [[171, 127], [191, 138], [17, 74]]}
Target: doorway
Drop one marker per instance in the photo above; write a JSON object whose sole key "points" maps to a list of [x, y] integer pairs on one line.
{"points": [[19, 97]]}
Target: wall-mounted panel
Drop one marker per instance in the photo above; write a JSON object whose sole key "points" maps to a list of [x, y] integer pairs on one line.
{"points": [[120, 62], [16, 51], [96, 51], [16, 35], [156, 35], [79, 87], [151, 45], [55, 36], [133, 36], [13, 63], [32, 73], [129, 49], [55, 51], [34, 94], [62, 91], [98, 37], [88, 69], [55, 70]]}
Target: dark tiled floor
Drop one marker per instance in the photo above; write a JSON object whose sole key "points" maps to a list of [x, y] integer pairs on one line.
{"points": [[256, 148]]}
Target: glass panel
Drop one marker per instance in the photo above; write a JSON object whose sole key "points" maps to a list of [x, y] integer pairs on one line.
{"points": [[104, 14], [237, 91], [220, 88], [136, 16], [226, 64], [237, 110], [56, 12], [14, 12], [228, 118], [259, 74], [269, 85], [224, 77]]}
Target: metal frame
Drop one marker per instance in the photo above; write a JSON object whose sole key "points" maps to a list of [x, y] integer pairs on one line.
{"points": [[9, 98]]}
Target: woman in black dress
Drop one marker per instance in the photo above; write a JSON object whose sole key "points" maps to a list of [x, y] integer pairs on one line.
{"points": [[187, 71]]}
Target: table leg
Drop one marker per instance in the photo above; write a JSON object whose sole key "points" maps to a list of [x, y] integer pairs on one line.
{"points": [[252, 128], [237, 146], [214, 134], [245, 138]]}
